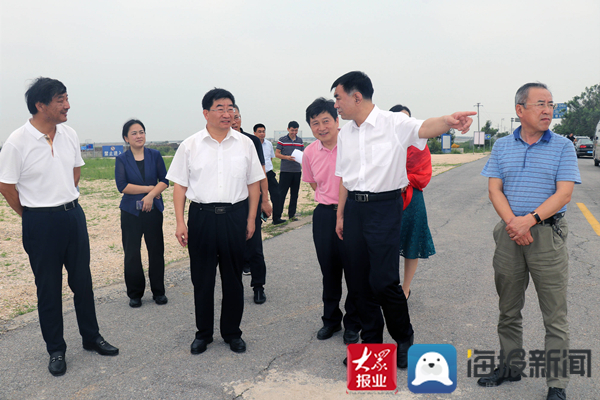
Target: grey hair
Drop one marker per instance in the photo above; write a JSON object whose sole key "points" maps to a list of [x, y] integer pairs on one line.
{"points": [[523, 92]]}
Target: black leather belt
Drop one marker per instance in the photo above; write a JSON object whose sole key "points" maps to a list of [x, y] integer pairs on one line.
{"points": [[553, 219], [333, 206], [217, 208], [365, 197], [64, 207]]}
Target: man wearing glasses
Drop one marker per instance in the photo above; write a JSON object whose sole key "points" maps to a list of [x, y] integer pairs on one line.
{"points": [[531, 178], [217, 169]]}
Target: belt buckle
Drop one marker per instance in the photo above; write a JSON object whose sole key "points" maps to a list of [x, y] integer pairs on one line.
{"points": [[220, 210], [361, 197], [335, 207], [69, 206]]}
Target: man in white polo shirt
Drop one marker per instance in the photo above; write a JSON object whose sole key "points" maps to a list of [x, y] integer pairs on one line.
{"points": [[371, 160], [217, 169], [40, 165]]}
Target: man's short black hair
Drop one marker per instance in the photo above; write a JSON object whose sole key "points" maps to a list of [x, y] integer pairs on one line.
{"points": [[128, 125], [257, 126], [293, 124], [400, 108], [320, 106], [355, 81], [216, 94], [43, 90]]}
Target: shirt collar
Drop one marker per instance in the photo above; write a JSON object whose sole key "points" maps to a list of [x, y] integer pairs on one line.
{"points": [[37, 134], [321, 147], [545, 137], [371, 118], [231, 134]]}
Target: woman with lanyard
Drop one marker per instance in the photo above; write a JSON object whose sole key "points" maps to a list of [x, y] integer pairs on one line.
{"points": [[415, 235], [140, 175]]}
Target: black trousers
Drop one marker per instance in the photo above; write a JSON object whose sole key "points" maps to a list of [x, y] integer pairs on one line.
{"points": [[289, 181], [54, 239], [372, 240], [217, 239], [149, 225], [254, 256], [332, 259], [275, 195]]}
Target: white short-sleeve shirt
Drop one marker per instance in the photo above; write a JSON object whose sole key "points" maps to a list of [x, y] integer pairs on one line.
{"points": [[216, 172], [372, 157], [269, 154], [42, 179]]}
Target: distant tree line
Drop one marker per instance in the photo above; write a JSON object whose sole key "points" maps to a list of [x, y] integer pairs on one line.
{"points": [[583, 114]]}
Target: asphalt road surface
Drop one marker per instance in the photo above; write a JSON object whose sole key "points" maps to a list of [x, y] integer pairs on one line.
{"points": [[453, 301]]}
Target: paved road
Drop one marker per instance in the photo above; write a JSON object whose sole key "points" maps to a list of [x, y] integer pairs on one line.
{"points": [[453, 301]]}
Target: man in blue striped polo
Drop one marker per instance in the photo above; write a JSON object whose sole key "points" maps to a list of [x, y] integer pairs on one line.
{"points": [[531, 178]]}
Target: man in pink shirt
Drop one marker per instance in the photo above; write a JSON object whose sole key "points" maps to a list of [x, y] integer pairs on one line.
{"points": [[318, 164]]}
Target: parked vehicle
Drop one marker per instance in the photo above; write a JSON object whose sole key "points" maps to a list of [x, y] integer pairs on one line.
{"points": [[596, 148], [584, 147]]}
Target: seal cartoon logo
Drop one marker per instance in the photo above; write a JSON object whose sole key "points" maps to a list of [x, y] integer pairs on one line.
{"points": [[432, 368]]}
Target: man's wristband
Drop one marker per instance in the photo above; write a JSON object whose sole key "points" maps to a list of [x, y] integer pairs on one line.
{"points": [[536, 216]]}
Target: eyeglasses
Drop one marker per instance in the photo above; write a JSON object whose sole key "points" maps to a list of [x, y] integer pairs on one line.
{"points": [[222, 110], [540, 105]]}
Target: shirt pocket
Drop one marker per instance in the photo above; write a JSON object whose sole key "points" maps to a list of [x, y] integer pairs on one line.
{"points": [[239, 166], [382, 154]]}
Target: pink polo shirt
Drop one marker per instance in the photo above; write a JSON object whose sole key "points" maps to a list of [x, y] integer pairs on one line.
{"points": [[318, 166]]}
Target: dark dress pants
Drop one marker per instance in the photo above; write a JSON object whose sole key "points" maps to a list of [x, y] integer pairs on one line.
{"points": [[217, 239], [372, 240], [54, 239], [149, 225], [332, 259], [289, 181], [275, 195], [254, 257]]}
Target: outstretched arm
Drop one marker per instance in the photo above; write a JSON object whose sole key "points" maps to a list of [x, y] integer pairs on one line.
{"points": [[432, 127]]}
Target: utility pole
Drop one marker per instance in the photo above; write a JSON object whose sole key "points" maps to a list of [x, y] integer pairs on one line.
{"points": [[478, 127]]}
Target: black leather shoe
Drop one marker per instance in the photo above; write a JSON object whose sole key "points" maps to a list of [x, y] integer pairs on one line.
{"points": [[402, 361], [135, 303], [279, 221], [199, 345], [101, 347], [327, 331], [237, 345], [350, 337], [58, 364], [160, 300], [556, 394], [259, 296], [498, 377]]}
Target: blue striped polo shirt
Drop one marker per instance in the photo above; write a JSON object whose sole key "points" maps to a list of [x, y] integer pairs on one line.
{"points": [[529, 172]]}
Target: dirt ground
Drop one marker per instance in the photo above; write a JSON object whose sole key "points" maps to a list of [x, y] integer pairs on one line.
{"points": [[100, 202]]}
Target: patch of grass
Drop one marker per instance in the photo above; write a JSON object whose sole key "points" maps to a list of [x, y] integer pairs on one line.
{"points": [[24, 309], [3, 254]]}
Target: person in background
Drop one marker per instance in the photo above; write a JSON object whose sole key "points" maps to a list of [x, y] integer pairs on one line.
{"points": [[415, 237], [260, 131], [290, 171], [140, 175]]}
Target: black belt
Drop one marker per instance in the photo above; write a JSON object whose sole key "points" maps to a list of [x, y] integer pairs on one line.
{"points": [[553, 219], [365, 197], [217, 208], [64, 207], [333, 206]]}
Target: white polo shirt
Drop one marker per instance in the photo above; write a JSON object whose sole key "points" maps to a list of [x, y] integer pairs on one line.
{"points": [[216, 172], [269, 154], [42, 179], [372, 157]]}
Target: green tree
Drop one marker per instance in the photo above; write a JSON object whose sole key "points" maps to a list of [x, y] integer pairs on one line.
{"points": [[487, 128], [583, 114]]}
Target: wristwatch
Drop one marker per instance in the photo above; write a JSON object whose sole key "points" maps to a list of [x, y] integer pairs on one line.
{"points": [[536, 216]]}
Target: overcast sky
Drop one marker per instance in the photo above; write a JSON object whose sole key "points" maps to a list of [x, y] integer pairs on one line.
{"points": [[154, 60]]}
